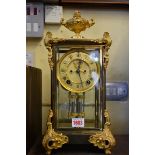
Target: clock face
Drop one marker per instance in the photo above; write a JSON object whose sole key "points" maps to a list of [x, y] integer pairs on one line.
{"points": [[78, 71]]}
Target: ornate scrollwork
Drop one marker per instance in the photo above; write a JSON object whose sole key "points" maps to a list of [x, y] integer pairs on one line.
{"points": [[104, 140], [52, 140], [49, 41], [77, 24], [107, 41]]}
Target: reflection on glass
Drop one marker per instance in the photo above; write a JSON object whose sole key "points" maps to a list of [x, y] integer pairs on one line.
{"points": [[83, 104]]}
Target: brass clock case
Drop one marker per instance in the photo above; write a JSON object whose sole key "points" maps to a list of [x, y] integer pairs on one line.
{"points": [[78, 71], [87, 103]]}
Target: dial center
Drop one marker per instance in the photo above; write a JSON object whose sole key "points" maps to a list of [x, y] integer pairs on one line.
{"points": [[78, 71]]}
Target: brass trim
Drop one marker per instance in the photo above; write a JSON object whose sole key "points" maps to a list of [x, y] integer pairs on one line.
{"points": [[49, 48], [107, 40], [104, 139], [52, 140], [74, 115]]}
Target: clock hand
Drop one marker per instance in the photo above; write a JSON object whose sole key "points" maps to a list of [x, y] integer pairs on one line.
{"points": [[78, 71], [80, 79]]}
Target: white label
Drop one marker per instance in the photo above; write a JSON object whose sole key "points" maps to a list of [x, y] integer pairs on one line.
{"points": [[35, 27], [78, 122]]}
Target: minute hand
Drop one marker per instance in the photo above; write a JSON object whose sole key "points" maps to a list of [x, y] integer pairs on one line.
{"points": [[78, 71]]}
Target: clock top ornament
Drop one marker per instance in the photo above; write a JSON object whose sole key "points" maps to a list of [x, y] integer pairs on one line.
{"points": [[77, 24]]}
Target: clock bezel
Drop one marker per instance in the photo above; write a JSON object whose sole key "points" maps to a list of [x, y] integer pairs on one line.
{"points": [[73, 50]]}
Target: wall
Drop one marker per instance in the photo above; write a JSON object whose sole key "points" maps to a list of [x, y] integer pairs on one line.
{"points": [[111, 20]]}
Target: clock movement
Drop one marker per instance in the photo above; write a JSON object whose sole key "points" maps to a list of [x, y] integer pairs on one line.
{"points": [[78, 113]]}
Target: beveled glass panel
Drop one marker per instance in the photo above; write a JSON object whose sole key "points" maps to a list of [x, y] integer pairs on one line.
{"points": [[80, 104]]}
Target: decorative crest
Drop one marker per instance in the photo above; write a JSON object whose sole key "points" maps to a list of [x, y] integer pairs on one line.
{"points": [[77, 24]]}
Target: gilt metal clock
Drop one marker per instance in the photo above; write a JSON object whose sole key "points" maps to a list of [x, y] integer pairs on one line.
{"points": [[78, 113]]}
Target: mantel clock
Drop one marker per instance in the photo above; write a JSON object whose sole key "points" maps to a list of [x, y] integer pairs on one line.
{"points": [[78, 66]]}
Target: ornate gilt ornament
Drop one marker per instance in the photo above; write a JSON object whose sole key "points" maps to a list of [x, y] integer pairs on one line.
{"points": [[77, 24], [49, 41], [107, 41], [49, 48], [52, 140], [104, 140]]}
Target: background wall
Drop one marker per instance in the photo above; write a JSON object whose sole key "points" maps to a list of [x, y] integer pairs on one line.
{"points": [[115, 22]]}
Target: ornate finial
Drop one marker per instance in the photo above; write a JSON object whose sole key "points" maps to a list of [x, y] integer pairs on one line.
{"points": [[77, 24]]}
